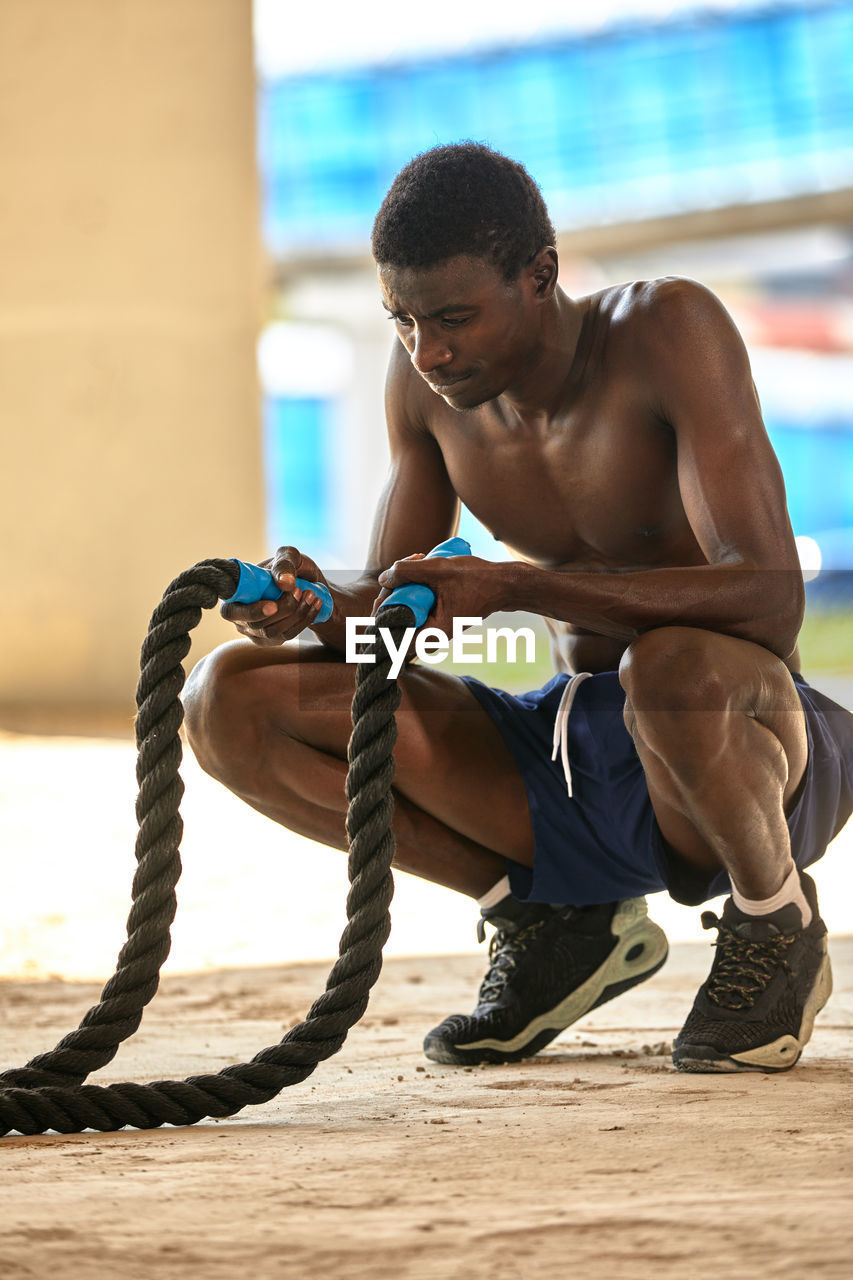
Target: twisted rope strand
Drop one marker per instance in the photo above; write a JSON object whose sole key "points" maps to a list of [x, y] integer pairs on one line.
{"points": [[49, 1093]]}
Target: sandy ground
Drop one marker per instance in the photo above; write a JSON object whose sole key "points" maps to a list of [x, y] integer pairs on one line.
{"points": [[594, 1159]]}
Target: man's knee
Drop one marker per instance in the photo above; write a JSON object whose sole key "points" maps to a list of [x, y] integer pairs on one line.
{"points": [[241, 702], [677, 670], [217, 714], [203, 708]]}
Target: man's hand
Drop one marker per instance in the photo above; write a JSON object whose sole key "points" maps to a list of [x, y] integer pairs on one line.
{"points": [[271, 622], [464, 586]]}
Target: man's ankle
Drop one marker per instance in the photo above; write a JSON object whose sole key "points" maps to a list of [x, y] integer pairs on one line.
{"points": [[791, 891], [496, 894]]}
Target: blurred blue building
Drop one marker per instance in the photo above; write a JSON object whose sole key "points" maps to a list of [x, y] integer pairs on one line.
{"points": [[703, 110]]}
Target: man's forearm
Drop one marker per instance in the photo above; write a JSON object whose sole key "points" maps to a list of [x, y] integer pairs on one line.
{"points": [[762, 605]]}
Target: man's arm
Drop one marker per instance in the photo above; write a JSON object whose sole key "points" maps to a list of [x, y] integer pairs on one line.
{"points": [[730, 484], [699, 384], [417, 509]]}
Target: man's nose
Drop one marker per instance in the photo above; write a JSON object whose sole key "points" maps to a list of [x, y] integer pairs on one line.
{"points": [[430, 352]]}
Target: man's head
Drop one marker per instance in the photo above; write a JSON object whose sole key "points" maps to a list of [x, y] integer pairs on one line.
{"points": [[462, 199], [463, 244]]}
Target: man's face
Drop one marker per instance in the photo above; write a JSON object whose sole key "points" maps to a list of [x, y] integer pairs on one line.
{"points": [[469, 333]]}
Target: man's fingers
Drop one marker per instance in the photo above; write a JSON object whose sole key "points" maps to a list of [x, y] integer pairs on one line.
{"points": [[273, 621], [401, 571], [249, 614], [284, 566]]}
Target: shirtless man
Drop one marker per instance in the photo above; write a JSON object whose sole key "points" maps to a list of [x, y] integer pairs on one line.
{"points": [[615, 444]]}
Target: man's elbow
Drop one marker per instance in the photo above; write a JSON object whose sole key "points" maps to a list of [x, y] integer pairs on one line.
{"points": [[778, 623]]}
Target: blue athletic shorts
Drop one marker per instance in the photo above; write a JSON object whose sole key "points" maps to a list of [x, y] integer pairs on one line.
{"points": [[603, 843]]}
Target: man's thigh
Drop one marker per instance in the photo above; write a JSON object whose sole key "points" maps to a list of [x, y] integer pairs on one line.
{"points": [[450, 759], [702, 691]]}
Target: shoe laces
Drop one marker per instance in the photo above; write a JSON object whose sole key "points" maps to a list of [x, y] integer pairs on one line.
{"points": [[743, 967], [505, 951]]}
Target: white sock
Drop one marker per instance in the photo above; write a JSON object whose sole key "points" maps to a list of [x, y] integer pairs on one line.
{"points": [[495, 895], [791, 891]]}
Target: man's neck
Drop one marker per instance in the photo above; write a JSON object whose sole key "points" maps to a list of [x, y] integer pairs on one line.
{"points": [[540, 393]]}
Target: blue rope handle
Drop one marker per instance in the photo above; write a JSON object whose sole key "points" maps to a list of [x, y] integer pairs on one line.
{"points": [[418, 597], [256, 583]]}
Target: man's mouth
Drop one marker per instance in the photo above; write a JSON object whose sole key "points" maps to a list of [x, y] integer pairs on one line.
{"points": [[443, 388]]}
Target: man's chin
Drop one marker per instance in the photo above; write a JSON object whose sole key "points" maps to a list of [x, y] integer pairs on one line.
{"points": [[464, 396]]}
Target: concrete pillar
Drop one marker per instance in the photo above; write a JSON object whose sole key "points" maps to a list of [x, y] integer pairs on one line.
{"points": [[129, 308]]}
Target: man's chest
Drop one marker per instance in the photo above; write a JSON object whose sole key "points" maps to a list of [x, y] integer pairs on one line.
{"points": [[598, 489]]}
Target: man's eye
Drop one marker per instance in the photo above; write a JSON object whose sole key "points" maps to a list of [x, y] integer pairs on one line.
{"points": [[404, 321], [453, 322]]}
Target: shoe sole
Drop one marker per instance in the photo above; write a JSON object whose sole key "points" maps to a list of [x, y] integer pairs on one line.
{"points": [[777, 1055], [641, 949]]}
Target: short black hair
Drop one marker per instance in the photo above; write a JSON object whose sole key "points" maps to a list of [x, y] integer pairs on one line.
{"points": [[462, 198]]}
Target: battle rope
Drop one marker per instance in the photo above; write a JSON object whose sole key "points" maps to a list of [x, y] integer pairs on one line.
{"points": [[48, 1093]]}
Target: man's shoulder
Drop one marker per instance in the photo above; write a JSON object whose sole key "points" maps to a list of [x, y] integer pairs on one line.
{"points": [[667, 321], [407, 396], [658, 300]]}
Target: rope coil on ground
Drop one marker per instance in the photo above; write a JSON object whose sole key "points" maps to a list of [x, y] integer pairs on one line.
{"points": [[48, 1092]]}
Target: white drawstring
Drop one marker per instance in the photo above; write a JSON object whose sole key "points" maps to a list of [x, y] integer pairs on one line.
{"points": [[561, 724]]}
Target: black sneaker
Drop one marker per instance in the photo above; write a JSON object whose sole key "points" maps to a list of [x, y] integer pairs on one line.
{"points": [[547, 967], [769, 978]]}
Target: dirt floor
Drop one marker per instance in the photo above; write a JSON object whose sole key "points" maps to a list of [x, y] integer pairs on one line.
{"points": [[595, 1159]]}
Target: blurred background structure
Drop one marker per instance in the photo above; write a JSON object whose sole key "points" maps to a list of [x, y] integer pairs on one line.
{"points": [[193, 348], [130, 286]]}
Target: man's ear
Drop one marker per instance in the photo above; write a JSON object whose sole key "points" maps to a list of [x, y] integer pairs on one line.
{"points": [[544, 269]]}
